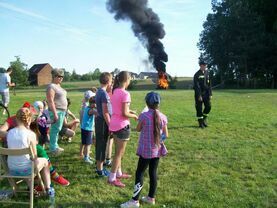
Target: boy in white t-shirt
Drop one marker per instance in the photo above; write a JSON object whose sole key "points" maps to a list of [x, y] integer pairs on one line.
{"points": [[5, 83]]}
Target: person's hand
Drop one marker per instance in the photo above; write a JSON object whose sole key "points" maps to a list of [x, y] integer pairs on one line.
{"points": [[200, 98], [135, 117], [211, 97], [56, 117], [76, 120]]}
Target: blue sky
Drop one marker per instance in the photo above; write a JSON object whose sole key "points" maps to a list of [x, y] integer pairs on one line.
{"points": [[83, 35]]}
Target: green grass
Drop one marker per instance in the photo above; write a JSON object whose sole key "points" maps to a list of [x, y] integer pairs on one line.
{"points": [[232, 163]]}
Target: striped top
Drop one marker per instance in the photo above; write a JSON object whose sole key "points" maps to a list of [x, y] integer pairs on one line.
{"points": [[146, 145]]}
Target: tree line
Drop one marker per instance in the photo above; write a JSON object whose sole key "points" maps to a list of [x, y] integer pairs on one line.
{"points": [[239, 43], [20, 74]]}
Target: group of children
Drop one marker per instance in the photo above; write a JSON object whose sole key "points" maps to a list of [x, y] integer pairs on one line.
{"points": [[105, 112], [108, 112]]}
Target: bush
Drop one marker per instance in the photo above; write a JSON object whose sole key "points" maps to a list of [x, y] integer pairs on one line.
{"points": [[132, 84], [172, 82]]}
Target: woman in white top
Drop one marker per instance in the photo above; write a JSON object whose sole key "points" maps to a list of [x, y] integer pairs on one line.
{"points": [[22, 137]]}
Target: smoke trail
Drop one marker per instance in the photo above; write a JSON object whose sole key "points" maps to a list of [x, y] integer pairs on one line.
{"points": [[146, 26]]}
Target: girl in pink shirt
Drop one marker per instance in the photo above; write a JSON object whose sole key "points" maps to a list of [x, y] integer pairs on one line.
{"points": [[120, 124]]}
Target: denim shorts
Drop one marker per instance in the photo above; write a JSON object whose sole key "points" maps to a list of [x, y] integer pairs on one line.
{"points": [[124, 133]]}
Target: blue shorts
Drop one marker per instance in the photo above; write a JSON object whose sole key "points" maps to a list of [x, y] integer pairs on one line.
{"points": [[86, 137]]}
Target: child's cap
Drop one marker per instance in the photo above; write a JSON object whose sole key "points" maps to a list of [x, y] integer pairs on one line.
{"points": [[152, 98], [31, 107], [37, 105], [88, 94]]}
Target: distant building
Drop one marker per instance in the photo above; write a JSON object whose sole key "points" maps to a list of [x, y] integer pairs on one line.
{"points": [[134, 75], [40, 74], [148, 75]]}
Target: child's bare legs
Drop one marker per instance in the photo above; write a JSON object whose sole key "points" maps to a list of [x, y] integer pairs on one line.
{"points": [[87, 150], [99, 165], [42, 165], [74, 125], [109, 150], [69, 134], [82, 150], [120, 146], [87, 158]]}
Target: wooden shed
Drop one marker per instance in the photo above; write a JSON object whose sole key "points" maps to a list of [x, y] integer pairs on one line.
{"points": [[40, 74]]}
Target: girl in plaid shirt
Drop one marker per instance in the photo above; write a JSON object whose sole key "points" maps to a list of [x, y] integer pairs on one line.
{"points": [[152, 126]]}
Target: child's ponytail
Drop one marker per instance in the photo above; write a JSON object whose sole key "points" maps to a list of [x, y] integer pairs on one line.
{"points": [[120, 78], [157, 127], [116, 83]]}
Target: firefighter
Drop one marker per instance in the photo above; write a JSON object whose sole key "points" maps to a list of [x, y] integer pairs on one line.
{"points": [[202, 94]]}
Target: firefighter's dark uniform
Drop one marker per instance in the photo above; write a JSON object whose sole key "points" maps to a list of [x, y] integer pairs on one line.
{"points": [[202, 88]]}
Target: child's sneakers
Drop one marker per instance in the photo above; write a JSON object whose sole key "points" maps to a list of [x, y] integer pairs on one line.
{"points": [[131, 203], [57, 151], [124, 176], [102, 173], [148, 200], [61, 180], [88, 160], [108, 163], [117, 183]]}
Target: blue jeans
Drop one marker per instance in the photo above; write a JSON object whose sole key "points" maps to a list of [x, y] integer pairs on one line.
{"points": [[55, 129]]}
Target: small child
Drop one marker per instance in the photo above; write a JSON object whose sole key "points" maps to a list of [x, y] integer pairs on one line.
{"points": [[55, 177], [152, 125], [43, 122], [69, 127], [102, 122], [85, 102], [87, 127]]}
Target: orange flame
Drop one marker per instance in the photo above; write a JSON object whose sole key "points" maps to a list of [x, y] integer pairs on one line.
{"points": [[162, 82]]}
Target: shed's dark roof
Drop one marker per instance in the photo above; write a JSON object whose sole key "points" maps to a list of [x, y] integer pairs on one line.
{"points": [[37, 67]]}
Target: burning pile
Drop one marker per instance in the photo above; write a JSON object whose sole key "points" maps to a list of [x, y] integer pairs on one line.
{"points": [[162, 81], [147, 28]]}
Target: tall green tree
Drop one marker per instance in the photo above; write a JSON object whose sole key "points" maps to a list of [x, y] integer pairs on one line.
{"points": [[20, 72], [239, 42], [96, 74], [75, 76]]}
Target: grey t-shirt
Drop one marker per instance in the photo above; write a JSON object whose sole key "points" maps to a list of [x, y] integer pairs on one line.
{"points": [[60, 96], [102, 97]]}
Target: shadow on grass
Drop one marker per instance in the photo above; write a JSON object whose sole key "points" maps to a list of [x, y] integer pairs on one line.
{"points": [[86, 204], [182, 127], [246, 91]]}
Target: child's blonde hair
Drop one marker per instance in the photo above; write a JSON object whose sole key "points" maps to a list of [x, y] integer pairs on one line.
{"points": [[24, 115]]}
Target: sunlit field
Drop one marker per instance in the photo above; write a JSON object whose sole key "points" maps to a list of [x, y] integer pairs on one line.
{"points": [[232, 163]]}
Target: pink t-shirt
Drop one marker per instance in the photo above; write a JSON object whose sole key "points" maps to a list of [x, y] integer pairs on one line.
{"points": [[118, 121]]}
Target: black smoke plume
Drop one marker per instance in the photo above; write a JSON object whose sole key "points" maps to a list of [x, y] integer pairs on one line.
{"points": [[146, 26]]}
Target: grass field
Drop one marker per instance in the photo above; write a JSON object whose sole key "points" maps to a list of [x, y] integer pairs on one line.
{"points": [[232, 163]]}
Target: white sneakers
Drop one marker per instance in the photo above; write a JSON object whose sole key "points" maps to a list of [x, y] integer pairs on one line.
{"points": [[132, 203]]}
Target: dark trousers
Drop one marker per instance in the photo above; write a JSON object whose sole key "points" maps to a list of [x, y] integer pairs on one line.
{"points": [[199, 106], [101, 134], [142, 165]]}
